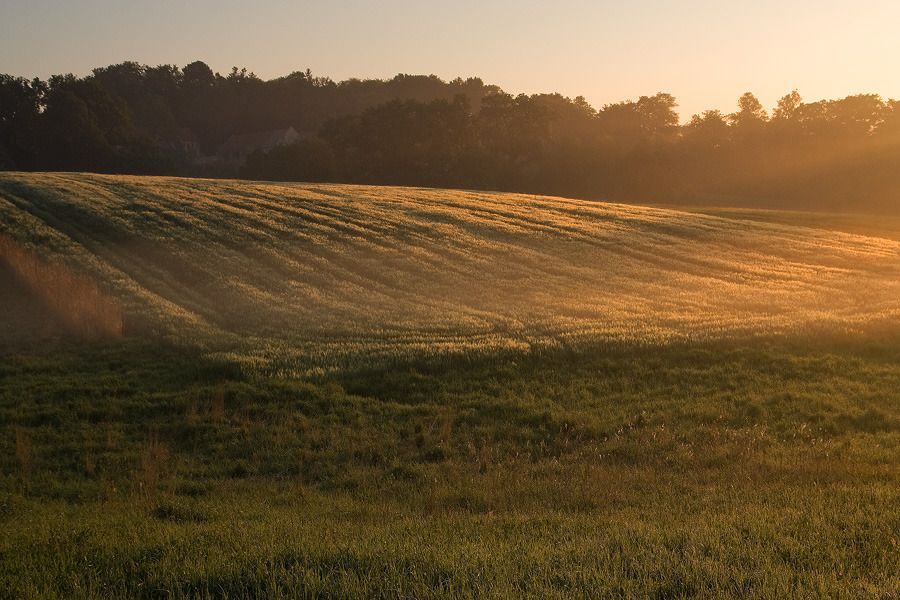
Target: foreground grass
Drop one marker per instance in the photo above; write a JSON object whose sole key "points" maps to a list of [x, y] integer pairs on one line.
{"points": [[720, 469], [280, 541]]}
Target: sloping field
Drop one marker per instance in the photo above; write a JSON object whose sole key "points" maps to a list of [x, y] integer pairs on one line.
{"points": [[684, 426], [296, 275]]}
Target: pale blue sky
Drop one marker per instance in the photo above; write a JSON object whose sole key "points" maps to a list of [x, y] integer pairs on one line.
{"points": [[706, 53]]}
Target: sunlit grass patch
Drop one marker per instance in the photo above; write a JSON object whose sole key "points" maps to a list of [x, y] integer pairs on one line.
{"points": [[317, 277]]}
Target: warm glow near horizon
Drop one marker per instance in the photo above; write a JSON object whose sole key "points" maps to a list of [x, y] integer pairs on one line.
{"points": [[705, 53]]}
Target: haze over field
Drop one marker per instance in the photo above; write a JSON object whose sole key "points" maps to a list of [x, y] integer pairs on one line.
{"points": [[302, 271]]}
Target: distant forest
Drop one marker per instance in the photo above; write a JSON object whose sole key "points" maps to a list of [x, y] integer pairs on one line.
{"points": [[840, 155]]}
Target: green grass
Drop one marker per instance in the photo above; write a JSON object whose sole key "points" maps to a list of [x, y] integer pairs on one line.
{"points": [[529, 456], [721, 470]]}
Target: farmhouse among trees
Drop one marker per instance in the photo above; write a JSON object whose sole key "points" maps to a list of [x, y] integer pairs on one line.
{"points": [[239, 146]]}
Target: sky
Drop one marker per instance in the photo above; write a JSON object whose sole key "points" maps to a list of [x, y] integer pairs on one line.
{"points": [[706, 53]]}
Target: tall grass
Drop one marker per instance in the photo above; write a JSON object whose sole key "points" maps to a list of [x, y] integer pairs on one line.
{"points": [[77, 301], [24, 457], [152, 468]]}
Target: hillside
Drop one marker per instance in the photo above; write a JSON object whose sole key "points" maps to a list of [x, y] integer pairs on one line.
{"points": [[474, 395], [286, 272]]}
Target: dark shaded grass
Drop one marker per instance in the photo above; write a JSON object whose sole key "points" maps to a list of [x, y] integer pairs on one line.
{"points": [[765, 470]]}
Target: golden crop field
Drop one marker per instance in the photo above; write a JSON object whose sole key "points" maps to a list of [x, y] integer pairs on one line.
{"points": [[301, 275]]}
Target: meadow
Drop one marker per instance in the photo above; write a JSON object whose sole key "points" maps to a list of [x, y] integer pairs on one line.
{"points": [[392, 392]]}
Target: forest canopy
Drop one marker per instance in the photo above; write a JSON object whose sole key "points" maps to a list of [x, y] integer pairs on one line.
{"points": [[841, 154]]}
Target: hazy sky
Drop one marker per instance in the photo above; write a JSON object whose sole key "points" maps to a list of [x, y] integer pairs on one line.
{"points": [[704, 52]]}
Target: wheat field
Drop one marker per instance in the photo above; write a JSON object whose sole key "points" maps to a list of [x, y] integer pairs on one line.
{"points": [[308, 276]]}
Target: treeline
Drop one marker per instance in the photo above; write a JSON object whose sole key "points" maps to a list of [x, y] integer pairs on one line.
{"points": [[132, 118], [414, 130], [830, 155]]}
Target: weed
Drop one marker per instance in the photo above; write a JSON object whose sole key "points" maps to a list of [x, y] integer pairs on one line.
{"points": [[154, 460], [24, 457]]}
